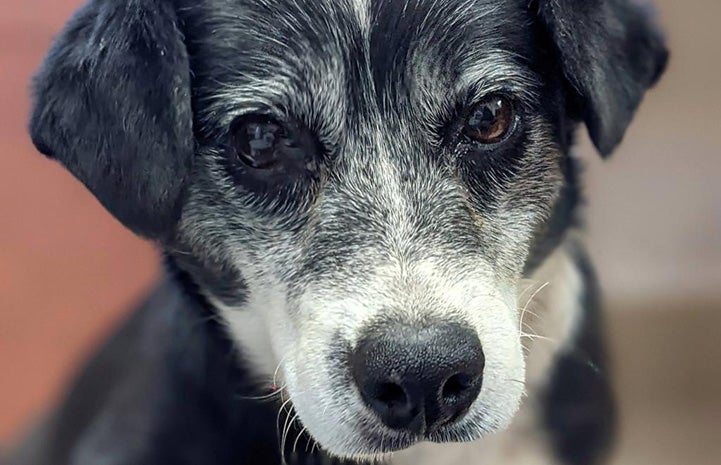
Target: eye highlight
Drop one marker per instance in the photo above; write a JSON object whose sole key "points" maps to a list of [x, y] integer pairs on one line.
{"points": [[268, 154], [490, 121], [259, 141]]}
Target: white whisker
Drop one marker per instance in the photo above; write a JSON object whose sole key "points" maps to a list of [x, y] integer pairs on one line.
{"points": [[525, 307]]}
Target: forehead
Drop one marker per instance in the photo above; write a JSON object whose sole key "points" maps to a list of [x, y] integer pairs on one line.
{"points": [[306, 57]]}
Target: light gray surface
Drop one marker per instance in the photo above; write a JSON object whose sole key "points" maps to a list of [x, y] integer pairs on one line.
{"points": [[655, 206]]}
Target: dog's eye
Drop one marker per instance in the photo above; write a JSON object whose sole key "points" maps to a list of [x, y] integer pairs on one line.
{"points": [[260, 142], [490, 121]]}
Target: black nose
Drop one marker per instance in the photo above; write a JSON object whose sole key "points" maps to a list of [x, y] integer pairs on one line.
{"points": [[419, 379]]}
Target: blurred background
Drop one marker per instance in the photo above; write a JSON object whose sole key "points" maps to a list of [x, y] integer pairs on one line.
{"points": [[69, 271]]}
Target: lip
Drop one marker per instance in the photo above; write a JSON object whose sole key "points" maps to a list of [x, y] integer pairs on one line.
{"points": [[386, 443], [379, 444]]}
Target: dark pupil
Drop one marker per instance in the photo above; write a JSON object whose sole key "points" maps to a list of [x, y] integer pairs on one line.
{"points": [[486, 117], [258, 144]]}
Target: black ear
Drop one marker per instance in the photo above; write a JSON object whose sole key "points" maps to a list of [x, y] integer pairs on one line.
{"points": [[611, 52], [112, 103]]}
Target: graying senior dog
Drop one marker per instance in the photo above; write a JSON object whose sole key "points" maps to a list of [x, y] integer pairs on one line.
{"points": [[367, 210]]}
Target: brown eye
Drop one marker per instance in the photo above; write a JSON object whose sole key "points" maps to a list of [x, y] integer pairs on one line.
{"points": [[490, 120], [259, 141]]}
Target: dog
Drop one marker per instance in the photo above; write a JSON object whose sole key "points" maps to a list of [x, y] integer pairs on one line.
{"points": [[369, 217]]}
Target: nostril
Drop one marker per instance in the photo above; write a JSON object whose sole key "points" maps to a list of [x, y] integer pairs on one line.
{"points": [[393, 403], [456, 397], [455, 387], [391, 395]]}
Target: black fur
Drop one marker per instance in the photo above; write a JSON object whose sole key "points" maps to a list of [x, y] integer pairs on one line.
{"points": [[611, 53], [112, 103]]}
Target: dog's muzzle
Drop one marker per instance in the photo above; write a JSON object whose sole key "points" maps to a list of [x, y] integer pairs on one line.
{"points": [[417, 380]]}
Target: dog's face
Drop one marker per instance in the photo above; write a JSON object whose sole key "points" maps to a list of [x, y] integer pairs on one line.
{"points": [[404, 158], [355, 185]]}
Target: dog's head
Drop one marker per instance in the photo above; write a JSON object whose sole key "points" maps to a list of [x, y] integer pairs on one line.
{"points": [[355, 184]]}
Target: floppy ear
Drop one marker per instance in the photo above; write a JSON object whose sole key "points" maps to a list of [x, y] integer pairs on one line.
{"points": [[112, 104], [611, 52]]}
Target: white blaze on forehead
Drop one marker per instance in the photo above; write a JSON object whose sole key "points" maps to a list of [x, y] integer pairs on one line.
{"points": [[362, 11]]}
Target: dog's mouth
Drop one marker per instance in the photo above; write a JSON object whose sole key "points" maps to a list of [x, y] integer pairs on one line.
{"points": [[368, 439], [371, 445], [388, 443]]}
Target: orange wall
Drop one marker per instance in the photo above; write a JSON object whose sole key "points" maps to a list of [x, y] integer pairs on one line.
{"points": [[67, 269]]}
